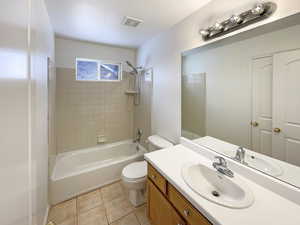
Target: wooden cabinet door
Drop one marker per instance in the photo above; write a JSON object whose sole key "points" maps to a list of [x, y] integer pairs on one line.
{"points": [[157, 179], [188, 212], [160, 210]]}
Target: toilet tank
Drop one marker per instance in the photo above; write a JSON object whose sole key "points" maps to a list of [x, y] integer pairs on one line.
{"points": [[156, 142]]}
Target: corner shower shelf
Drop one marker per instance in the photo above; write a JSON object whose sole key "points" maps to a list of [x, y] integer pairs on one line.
{"points": [[131, 92]]}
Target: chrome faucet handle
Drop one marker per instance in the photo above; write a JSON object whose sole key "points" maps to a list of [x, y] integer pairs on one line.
{"points": [[221, 167], [139, 132], [221, 161], [241, 149]]}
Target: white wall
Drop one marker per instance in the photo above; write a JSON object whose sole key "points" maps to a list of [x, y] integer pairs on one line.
{"points": [[42, 47], [14, 189], [67, 50], [228, 81], [23, 161], [163, 53]]}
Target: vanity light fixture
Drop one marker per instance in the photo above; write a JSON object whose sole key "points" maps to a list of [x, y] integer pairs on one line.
{"points": [[259, 12]]}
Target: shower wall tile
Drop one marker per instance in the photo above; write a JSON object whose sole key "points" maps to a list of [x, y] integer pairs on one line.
{"points": [[87, 109], [142, 112]]}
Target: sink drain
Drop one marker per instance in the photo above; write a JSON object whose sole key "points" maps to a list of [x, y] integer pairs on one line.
{"points": [[215, 193]]}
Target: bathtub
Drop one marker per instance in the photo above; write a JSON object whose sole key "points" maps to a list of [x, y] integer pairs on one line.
{"points": [[83, 170]]}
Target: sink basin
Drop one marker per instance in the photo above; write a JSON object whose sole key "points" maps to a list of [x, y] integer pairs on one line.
{"points": [[260, 164], [216, 187], [264, 165]]}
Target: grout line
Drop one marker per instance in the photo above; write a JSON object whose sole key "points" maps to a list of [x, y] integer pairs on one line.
{"points": [[106, 215], [76, 215], [121, 217], [134, 213], [96, 206]]}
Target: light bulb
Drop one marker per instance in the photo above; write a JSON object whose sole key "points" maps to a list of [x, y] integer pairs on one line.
{"points": [[235, 19], [258, 9], [204, 32], [218, 26]]}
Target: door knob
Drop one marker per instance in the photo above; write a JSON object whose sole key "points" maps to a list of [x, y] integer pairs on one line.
{"points": [[277, 130], [254, 124]]}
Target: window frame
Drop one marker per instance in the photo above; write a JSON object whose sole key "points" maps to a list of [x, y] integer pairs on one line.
{"points": [[99, 63]]}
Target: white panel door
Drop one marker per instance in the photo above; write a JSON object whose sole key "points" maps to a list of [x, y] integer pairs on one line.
{"points": [[286, 107], [262, 73]]}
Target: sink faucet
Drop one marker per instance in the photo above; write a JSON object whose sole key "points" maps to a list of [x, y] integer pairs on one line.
{"points": [[240, 155], [221, 166]]}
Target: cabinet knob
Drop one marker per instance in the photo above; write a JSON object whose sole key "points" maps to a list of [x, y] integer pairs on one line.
{"points": [[254, 124], [277, 130], [186, 212]]}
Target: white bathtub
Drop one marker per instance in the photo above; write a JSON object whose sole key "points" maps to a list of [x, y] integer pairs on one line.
{"points": [[83, 170]]}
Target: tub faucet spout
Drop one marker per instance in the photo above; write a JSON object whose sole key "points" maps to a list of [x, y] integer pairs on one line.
{"points": [[138, 136]]}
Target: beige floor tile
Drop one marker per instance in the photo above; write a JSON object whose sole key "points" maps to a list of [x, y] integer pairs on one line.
{"points": [[70, 221], [125, 190], [127, 220], [141, 214], [112, 192], [88, 201], [63, 213], [118, 208], [95, 216]]}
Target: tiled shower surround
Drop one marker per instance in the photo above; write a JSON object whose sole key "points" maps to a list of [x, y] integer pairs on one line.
{"points": [[86, 109]]}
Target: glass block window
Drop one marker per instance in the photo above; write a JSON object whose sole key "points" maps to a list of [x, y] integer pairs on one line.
{"points": [[96, 70]]}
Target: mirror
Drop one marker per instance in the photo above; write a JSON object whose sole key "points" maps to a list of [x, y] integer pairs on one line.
{"points": [[244, 91]]}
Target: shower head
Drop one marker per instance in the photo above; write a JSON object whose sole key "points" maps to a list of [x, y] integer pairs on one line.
{"points": [[132, 67]]}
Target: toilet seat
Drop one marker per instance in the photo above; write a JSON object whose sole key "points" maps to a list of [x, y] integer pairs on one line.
{"points": [[135, 171]]}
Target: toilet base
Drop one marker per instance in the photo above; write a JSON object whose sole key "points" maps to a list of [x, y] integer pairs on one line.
{"points": [[137, 197]]}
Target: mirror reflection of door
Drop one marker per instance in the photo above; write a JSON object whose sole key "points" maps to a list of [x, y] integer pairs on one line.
{"points": [[262, 78], [276, 106], [286, 107]]}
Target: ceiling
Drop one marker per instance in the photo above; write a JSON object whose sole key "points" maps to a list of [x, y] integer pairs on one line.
{"points": [[100, 20]]}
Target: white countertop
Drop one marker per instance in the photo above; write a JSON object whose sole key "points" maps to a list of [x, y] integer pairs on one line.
{"points": [[268, 208]]}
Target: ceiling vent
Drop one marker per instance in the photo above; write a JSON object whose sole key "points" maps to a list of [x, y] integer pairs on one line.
{"points": [[131, 21]]}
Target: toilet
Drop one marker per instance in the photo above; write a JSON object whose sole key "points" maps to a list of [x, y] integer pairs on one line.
{"points": [[134, 175]]}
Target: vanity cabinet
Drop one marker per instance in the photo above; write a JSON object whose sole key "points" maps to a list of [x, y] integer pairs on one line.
{"points": [[160, 210], [166, 206]]}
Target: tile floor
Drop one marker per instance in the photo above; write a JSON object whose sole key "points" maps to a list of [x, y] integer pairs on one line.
{"points": [[107, 205]]}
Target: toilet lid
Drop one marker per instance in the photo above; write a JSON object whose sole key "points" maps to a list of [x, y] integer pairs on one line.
{"points": [[159, 142], [135, 170]]}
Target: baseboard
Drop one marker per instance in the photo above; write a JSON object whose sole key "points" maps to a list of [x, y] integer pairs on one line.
{"points": [[46, 215]]}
